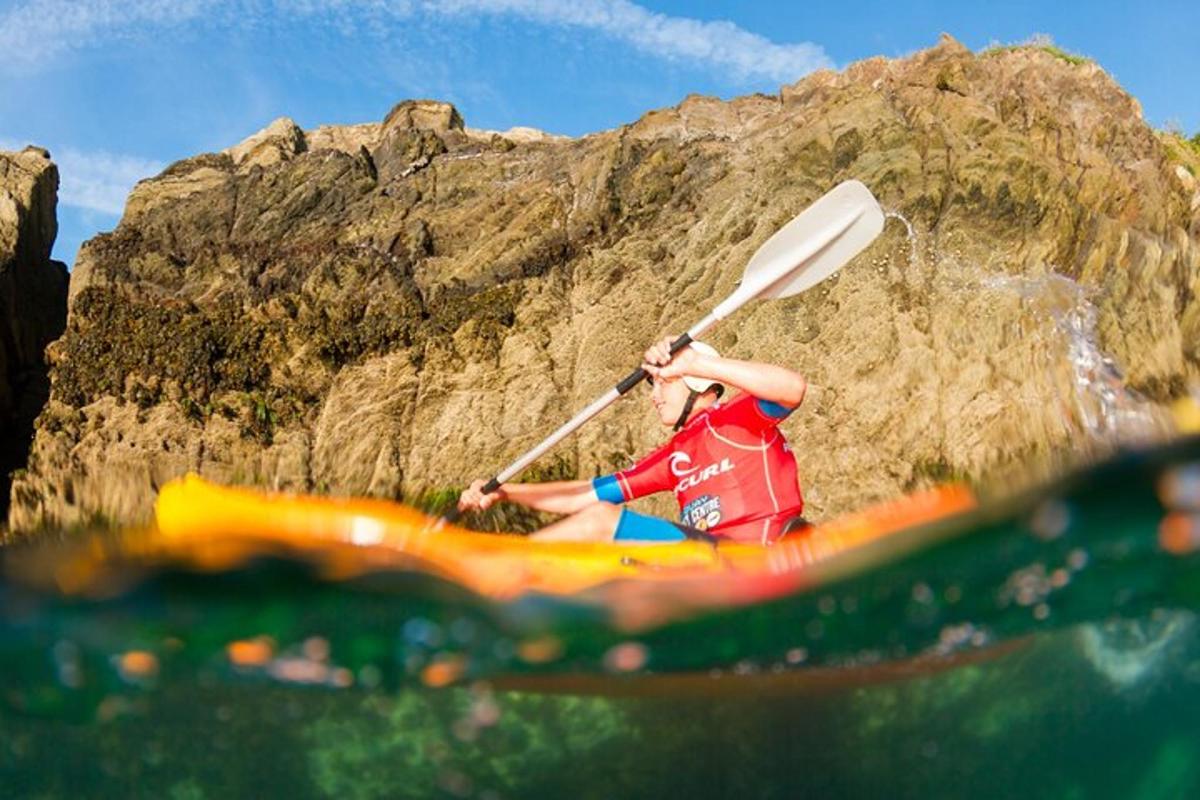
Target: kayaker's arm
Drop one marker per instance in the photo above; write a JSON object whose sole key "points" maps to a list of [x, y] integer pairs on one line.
{"points": [[765, 381], [557, 497]]}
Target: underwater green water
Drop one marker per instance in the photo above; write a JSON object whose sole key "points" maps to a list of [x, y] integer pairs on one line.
{"points": [[1043, 647]]}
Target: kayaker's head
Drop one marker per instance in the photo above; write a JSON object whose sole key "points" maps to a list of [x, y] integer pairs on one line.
{"points": [[677, 399]]}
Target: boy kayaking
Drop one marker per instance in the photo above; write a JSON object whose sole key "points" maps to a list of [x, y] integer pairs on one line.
{"points": [[728, 464]]}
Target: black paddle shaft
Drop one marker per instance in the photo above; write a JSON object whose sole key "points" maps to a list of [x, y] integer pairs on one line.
{"points": [[639, 374], [624, 387]]}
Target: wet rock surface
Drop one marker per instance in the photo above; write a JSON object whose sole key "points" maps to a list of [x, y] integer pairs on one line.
{"points": [[395, 308], [33, 295]]}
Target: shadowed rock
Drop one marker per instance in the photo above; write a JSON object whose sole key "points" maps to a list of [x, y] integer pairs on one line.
{"points": [[33, 294]]}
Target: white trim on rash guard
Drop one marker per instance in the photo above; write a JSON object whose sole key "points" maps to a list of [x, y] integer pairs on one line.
{"points": [[767, 475], [740, 446], [626, 489]]}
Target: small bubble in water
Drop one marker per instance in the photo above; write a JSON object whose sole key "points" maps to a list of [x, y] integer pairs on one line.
{"points": [[827, 605], [1179, 488], [256, 652], [464, 730], [1041, 611], [922, 593], [462, 630], [315, 648], [796, 655], [626, 657], [541, 650], [421, 631], [456, 783], [485, 712], [444, 671], [1077, 559], [137, 666], [1179, 534], [815, 629], [1050, 520], [370, 676]]}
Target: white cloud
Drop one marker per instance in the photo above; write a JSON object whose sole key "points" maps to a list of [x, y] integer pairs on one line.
{"points": [[37, 30], [95, 180], [719, 44]]}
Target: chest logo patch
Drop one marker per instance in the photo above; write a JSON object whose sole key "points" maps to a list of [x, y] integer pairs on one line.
{"points": [[704, 512]]}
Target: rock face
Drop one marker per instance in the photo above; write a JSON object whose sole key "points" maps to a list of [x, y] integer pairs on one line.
{"points": [[393, 309], [33, 300]]}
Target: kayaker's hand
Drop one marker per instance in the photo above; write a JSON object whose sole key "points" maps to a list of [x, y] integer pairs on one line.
{"points": [[473, 498], [658, 361]]}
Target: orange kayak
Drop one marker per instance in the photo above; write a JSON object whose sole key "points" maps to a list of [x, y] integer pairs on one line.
{"points": [[216, 526]]}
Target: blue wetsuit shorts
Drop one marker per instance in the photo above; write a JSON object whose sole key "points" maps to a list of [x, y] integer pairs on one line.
{"points": [[635, 527]]}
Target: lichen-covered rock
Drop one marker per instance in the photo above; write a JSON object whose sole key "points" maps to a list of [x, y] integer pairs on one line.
{"points": [[33, 293], [395, 308]]}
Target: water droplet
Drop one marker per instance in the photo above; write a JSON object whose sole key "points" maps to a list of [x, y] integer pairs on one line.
{"points": [[1050, 520], [626, 657], [444, 671], [1077, 559], [1179, 534], [137, 666], [541, 650], [796, 655], [256, 652], [922, 593], [315, 648], [370, 676]]}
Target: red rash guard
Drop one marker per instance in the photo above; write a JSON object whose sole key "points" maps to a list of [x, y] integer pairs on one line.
{"points": [[730, 468]]}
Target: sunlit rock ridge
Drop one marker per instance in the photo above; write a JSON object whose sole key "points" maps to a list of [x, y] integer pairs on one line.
{"points": [[392, 309]]}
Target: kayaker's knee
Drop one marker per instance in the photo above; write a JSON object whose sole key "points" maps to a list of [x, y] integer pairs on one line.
{"points": [[599, 520]]}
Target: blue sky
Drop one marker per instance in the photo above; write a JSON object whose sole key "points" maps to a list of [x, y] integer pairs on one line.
{"points": [[117, 89]]}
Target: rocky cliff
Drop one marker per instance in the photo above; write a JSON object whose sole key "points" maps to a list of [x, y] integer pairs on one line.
{"points": [[33, 300], [391, 309]]}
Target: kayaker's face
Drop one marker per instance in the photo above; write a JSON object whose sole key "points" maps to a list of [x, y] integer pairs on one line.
{"points": [[669, 396]]}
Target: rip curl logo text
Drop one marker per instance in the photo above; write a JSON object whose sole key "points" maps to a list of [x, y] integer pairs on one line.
{"points": [[695, 478]]}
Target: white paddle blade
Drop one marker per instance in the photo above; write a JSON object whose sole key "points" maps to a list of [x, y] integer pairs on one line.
{"points": [[816, 243]]}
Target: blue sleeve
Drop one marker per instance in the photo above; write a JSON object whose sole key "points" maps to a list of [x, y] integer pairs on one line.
{"points": [[772, 409], [608, 489]]}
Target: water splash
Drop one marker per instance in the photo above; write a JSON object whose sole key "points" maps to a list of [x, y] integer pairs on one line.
{"points": [[912, 234], [1105, 408]]}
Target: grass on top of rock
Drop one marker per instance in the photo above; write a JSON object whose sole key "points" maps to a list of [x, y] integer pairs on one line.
{"points": [[1073, 59], [1181, 149]]}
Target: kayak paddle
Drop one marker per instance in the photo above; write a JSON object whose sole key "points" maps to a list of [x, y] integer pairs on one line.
{"points": [[801, 254]]}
